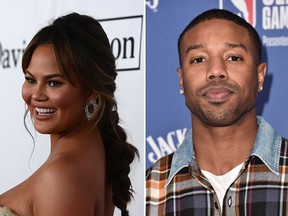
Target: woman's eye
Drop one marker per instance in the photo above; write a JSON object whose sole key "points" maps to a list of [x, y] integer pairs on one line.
{"points": [[198, 60], [235, 58], [30, 80], [54, 83]]}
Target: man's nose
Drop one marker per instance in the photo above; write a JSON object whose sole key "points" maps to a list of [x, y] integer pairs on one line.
{"points": [[216, 69]]}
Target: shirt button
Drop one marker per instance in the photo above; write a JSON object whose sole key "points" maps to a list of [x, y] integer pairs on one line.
{"points": [[216, 205], [230, 201]]}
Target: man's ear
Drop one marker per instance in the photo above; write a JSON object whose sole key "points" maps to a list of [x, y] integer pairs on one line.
{"points": [[261, 72], [180, 74]]}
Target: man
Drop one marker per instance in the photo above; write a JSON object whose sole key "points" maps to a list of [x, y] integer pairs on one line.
{"points": [[232, 162]]}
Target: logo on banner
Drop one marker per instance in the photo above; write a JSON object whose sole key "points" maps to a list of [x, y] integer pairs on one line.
{"points": [[162, 146], [243, 8], [125, 42], [152, 4], [273, 15], [11, 57]]}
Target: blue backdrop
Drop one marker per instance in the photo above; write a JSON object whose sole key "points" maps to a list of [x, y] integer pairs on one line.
{"points": [[167, 118]]}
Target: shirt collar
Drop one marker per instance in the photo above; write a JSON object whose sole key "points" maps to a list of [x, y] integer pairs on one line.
{"points": [[267, 147], [182, 157]]}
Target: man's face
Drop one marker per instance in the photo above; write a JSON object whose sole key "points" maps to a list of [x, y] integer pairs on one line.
{"points": [[219, 73]]}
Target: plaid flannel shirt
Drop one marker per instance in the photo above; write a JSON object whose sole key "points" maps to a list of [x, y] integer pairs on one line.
{"points": [[176, 186]]}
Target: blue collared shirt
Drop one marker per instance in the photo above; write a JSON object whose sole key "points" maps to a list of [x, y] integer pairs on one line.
{"points": [[175, 185], [266, 147]]}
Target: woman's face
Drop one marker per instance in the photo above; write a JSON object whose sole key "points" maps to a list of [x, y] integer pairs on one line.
{"points": [[57, 107]]}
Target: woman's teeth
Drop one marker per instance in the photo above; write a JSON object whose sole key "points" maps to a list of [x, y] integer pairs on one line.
{"points": [[44, 111]]}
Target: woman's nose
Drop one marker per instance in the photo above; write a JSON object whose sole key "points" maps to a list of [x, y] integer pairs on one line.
{"points": [[39, 93]]}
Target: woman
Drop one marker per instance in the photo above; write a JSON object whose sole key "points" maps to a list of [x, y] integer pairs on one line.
{"points": [[69, 89]]}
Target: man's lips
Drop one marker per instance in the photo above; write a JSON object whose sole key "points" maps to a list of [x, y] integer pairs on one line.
{"points": [[217, 93]]}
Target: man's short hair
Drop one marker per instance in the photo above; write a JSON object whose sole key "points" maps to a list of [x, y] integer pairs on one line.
{"points": [[225, 15]]}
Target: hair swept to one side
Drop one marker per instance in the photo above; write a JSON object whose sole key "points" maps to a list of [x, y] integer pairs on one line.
{"points": [[225, 15], [84, 56]]}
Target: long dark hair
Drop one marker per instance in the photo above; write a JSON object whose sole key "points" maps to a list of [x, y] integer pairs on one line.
{"points": [[84, 55]]}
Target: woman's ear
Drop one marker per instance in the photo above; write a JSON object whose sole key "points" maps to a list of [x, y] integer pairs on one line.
{"points": [[91, 95]]}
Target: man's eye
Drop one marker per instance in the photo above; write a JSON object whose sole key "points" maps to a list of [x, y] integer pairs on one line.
{"points": [[54, 83], [198, 60], [235, 58]]}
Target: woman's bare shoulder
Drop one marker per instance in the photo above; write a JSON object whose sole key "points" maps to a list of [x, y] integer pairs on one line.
{"points": [[62, 186], [65, 171]]}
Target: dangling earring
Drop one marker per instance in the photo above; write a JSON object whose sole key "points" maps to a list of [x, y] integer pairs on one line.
{"points": [[181, 91], [89, 111]]}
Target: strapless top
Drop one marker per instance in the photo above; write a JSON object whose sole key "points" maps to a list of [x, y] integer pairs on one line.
{"points": [[4, 211]]}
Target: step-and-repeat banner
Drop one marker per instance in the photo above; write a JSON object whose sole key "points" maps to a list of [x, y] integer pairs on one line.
{"points": [[167, 118], [123, 22]]}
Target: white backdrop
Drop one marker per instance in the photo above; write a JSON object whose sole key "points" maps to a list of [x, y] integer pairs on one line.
{"points": [[19, 21]]}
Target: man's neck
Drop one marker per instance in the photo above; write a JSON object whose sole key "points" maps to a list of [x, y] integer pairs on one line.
{"points": [[220, 149]]}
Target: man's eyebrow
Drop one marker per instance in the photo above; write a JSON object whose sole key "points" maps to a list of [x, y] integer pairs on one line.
{"points": [[235, 45], [193, 47], [228, 44]]}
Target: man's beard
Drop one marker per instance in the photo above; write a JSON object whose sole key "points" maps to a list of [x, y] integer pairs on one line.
{"points": [[222, 116]]}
